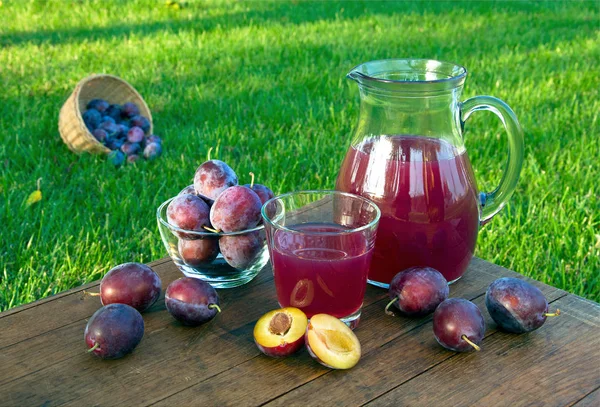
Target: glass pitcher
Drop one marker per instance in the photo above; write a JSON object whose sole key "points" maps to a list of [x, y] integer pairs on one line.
{"points": [[408, 156]]}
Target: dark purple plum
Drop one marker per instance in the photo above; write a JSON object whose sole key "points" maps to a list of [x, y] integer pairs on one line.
{"points": [[153, 138], [239, 251], [135, 135], [116, 158], [198, 252], [417, 291], [130, 148], [114, 111], [236, 209], [129, 110], [92, 119], [112, 129], [123, 130], [213, 177], [113, 143], [114, 331], [188, 212], [517, 306], [108, 119], [133, 158], [99, 104], [133, 284], [192, 301], [458, 325], [100, 135], [152, 151], [141, 122]]}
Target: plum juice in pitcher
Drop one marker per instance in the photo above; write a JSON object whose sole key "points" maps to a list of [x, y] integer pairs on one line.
{"points": [[408, 156]]}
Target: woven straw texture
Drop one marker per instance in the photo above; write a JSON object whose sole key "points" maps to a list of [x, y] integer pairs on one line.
{"points": [[108, 87]]}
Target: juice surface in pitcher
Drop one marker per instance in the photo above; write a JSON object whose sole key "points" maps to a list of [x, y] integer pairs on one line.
{"points": [[428, 200]]}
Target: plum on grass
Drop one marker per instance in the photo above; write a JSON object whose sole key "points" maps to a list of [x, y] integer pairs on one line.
{"points": [[192, 301], [129, 110], [116, 158], [153, 138], [141, 122], [92, 119], [236, 208], [99, 104], [130, 148], [417, 291], [135, 134], [188, 212], [197, 252], [133, 284], [239, 251], [458, 325], [133, 158], [152, 151], [262, 191], [113, 143], [517, 306], [114, 331], [213, 177]]}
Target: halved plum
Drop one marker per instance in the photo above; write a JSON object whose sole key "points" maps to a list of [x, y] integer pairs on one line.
{"points": [[331, 343], [280, 332]]}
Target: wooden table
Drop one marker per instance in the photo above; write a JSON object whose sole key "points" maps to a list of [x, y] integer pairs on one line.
{"points": [[43, 359]]}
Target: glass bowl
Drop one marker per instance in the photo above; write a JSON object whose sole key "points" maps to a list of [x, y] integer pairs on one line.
{"points": [[224, 260]]}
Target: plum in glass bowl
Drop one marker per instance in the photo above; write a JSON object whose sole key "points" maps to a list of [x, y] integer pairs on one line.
{"points": [[222, 259]]}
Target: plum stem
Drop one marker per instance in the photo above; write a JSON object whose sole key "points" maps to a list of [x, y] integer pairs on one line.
{"points": [[208, 154], [91, 294], [467, 340], [93, 348], [211, 229], [252, 181], [387, 311], [211, 306], [555, 314]]}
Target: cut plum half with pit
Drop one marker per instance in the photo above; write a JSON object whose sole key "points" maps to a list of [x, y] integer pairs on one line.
{"points": [[331, 342], [280, 332]]}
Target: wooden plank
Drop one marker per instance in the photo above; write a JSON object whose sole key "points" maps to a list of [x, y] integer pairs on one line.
{"points": [[284, 375], [389, 365], [591, 400], [554, 366], [50, 313], [57, 357]]}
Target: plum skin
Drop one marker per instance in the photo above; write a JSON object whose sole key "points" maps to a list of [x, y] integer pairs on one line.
{"points": [[418, 291], [239, 251], [236, 209], [213, 177], [134, 284], [515, 305], [455, 318], [197, 252], [116, 329], [191, 301], [188, 212]]}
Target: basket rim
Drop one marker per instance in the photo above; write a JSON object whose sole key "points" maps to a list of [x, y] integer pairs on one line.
{"points": [[79, 114]]}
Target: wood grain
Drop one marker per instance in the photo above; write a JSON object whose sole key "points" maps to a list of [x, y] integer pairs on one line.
{"points": [[43, 359]]}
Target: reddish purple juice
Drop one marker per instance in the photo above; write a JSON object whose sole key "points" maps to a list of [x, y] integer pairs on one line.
{"points": [[321, 271], [428, 200]]}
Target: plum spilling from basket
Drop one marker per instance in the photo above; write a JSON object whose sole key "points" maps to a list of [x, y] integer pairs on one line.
{"points": [[122, 128], [216, 215]]}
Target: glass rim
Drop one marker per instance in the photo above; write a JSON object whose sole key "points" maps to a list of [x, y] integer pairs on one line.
{"points": [[267, 219], [356, 72], [198, 233]]}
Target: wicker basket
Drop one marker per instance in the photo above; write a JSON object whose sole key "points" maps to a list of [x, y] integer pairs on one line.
{"points": [[108, 87]]}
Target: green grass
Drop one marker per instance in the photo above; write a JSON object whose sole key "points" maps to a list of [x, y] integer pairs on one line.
{"points": [[263, 83]]}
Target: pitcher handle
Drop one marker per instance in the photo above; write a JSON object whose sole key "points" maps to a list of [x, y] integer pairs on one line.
{"points": [[491, 203]]}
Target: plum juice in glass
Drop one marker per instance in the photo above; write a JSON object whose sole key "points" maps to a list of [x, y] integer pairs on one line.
{"points": [[321, 245], [408, 156]]}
